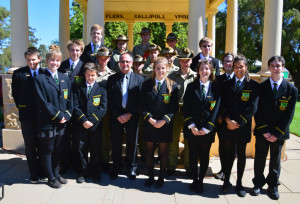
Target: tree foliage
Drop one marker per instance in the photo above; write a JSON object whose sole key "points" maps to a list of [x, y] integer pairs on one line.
{"points": [[76, 21]]}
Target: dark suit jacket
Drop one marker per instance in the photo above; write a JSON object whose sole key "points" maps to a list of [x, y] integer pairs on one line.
{"points": [[275, 113], [86, 55], [201, 111], [215, 63], [240, 106], [77, 75], [89, 108], [23, 93], [53, 101], [114, 94]]}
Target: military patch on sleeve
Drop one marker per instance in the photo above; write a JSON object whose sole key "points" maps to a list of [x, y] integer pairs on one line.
{"points": [[96, 100], [246, 95], [212, 104], [65, 93], [167, 98]]}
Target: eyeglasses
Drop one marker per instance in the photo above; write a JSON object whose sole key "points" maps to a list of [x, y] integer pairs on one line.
{"points": [[123, 62]]}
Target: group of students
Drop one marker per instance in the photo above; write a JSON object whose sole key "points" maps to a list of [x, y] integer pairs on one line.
{"points": [[151, 100]]}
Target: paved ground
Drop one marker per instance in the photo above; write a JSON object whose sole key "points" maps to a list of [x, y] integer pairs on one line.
{"points": [[14, 173]]}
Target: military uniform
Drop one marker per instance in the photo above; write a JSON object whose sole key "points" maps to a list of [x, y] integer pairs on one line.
{"points": [[114, 61], [179, 120]]}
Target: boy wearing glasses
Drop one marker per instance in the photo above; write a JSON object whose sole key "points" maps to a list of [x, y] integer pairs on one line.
{"points": [[205, 45]]}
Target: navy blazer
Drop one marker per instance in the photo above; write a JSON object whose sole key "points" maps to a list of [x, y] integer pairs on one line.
{"points": [[201, 111], [215, 63], [23, 93], [53, 101], [275, 113], [239, 105], [76, 77], [89, 108], [114, 94], [159, 105], [87, 57]]}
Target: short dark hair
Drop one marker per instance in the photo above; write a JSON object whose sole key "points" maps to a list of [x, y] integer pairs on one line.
{"points": [[277, 58], [90, 66], [228, 54], [32, 51]]}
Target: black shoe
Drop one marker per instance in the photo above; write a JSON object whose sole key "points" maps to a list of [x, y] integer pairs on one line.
{"points": [[105, 167], [196, 187], [188, 174], [255, 191], [159, 183], [273, 193], [114, 175], [240, 191], [149, 182], [80, 179], [170, 172], [54, 183], [62, 180], [34, 179], [220, 175], [131, 177], [96, 178], [226, 187], [43, 179]]}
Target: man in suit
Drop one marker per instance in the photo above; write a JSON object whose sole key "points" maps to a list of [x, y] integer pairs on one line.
{"points": [[277, 100], [205, 45], [227, 62], [94, 45], [124, 90], [23, 92], [72, 66]]}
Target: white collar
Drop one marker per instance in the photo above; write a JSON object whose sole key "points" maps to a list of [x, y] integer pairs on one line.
{"points": [[98, 44], [202, 56], [241, 80], [36, 71], [231, 75], [277, 82], [75, 62], [87, 84], [53, 74], [161, 81]]}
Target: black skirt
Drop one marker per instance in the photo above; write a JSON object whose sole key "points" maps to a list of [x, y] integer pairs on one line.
{"points": [[158, 135]]}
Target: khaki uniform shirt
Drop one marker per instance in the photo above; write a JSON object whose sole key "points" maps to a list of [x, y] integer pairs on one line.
{"points": [[114, 61], [103, 76], [148, 70], [139, 50], [182, 82]]}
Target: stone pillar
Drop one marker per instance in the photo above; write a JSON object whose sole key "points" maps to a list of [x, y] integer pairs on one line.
{"points": [[168, 29], [272, 32], [84, 33], [211, 28], [19, 31], [231, 26], [130, 34], [95, 15], [196, 27], [64, 27]]}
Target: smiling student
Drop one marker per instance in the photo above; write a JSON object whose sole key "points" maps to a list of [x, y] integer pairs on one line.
{"points": [[239, 100], [54, 110]]}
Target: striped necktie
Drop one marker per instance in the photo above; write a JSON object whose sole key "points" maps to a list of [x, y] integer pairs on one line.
{"points": [[203, 91], [72, 67], [95, 48], [56, 79], [275, 88], [158, 86], [89, 90]]}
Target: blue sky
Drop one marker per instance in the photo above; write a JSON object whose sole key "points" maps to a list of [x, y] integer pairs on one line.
{"points": [[43, 15]]}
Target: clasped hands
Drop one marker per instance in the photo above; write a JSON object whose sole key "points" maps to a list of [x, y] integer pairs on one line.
{"points": [[124, 118], [270, 137], [157, 123], [232, 124], [197, 132]]}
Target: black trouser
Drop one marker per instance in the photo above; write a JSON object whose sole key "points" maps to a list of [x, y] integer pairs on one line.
{"points": [[261, 151], [222, 153], [65, 149], [30, 140], [232, 148], [198, 149], [49, 154], [117, 129], [88, 141]]}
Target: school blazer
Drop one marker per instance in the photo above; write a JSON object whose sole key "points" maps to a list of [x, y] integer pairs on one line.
{"points": [[275, 113], [89, 108], [240, 105], [199, 110], [23, 93], [114, 94], [53, 101], [76, 77], [86, 55], [159, 105], [215, 63]]}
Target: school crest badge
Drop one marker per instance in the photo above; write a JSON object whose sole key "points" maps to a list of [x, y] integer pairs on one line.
{"points": [[167, 98], [245, 95], [212, 104], [65, 93], [283, 105], [96, 100]]}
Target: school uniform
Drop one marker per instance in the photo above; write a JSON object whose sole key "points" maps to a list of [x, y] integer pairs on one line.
{"points": [[274, 115], [200, 109], [53, 103], [118, 105], [88, 51], [215, 63], [75, 73], [159, 105], [239, 103], [89, 107], [23, 95]]}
